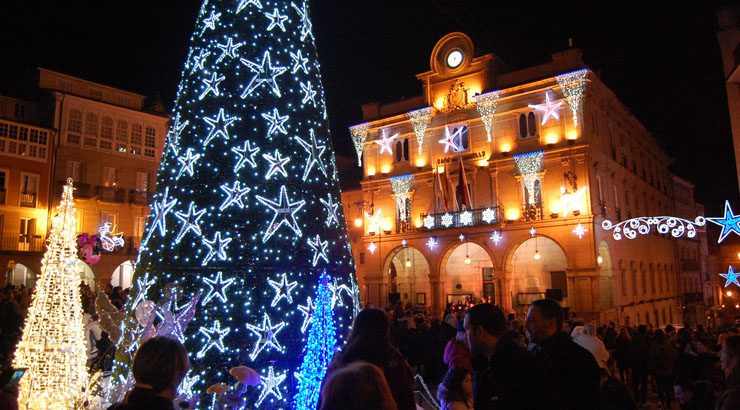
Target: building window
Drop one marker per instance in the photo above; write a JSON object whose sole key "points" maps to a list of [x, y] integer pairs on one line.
{"points": [[537, 199], [74, 127], [634, 282], [460, 137], [402, 150], [27, 230], [108, 217], [29, 189], [91, 130], [106, 129], [623, 279], [142, 181], [139, 224], [74, 171], [3, 179], [527, 125], [150, 139], [122, 131], [109, 177], [136, 134]]}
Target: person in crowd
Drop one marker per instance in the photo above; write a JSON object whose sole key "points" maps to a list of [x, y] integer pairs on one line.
{"points": [[456, 390], [93, 333], [457, 353], [662, 367], [640, 356], [570, 371], [610, 336], [507, 376], [159, 366], [623, 356], [584, 336], [613, 394], [694, 395], [370, 341], [730, 358], [357, 386]]}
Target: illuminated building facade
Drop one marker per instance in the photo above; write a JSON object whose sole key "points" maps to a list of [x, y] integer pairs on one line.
{"points": [[547, 154]]}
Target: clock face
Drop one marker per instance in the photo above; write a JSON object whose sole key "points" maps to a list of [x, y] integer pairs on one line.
{"points": [[454, 58]]}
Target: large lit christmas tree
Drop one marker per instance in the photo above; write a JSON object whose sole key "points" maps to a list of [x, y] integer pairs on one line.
{"points": [[247, 213], [52, 348]]}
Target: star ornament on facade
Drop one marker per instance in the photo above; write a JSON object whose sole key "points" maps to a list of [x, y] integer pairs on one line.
{"points": [[245, 155], [216, 248], [277, 164], [466, 218], [449, 141], [234, 195], [284, 213], [217, 288], [211, 86], [187, 162], [580, 230], [549, 108], [282, 290], [265, 73], [315, 151], [496, 237], [372, 247], [276, 20], [270, 386], [729, 222], [299, 62], [228, 50], [730, 277], [306, 25], [276, 122], [429, 222], [219, 126], [307, 311], [319, 249], [447, 220], [214, 338], [431, 244], [489, 215], [331, 210], [267, 335], [461, 237], [190, 221], [384, 143]]}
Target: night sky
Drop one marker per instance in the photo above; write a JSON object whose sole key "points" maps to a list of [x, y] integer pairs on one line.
{"points": [[662, 62]]}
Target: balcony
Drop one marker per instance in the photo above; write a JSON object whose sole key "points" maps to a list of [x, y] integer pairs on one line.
{"points": [[28, 199], [82, 191], [111, 194], [15, 242], [532, 212], [139, 197], [475, 217]]}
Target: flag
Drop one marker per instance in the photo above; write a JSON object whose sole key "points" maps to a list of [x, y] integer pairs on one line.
{"points": [[444, 201], [463, 181], [450, 192]]}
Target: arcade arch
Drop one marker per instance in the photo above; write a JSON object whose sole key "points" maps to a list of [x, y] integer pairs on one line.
{"points": [[86, 274], [529, 276], [408, 272], [123, 275], [467, 271], [21, 275]]}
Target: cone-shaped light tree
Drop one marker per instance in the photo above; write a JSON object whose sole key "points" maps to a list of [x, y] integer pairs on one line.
{"points": [[52, 348], [247, 213]]}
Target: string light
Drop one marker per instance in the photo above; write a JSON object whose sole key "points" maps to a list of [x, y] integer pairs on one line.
{"points": [[529, 166], [486, 105], [573, 85], [359, 136], [401, 186], [420, 121], [677, 227]]}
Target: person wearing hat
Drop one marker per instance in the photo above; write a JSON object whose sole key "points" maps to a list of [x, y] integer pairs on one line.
{"points": [[457, 353]]}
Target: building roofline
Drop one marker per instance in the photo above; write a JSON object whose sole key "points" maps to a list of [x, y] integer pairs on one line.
{"points": [[91, 82]]}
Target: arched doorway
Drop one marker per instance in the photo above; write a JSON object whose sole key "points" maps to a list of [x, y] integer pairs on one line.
{"points": [[21, 275], [86, 274], [465, 269], [122, 275], [537, 264], [409, 277]]}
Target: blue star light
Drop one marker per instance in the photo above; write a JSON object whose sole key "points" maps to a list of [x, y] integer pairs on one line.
{"points": [[282, 289], [276, 20], [187, 163], [267, 335], [314, 151], [284, 211], [216, 247], [246, 155], [214, 338], [218, 126], [277, 122], [190, 221], [730, 277], [217, 288], [228, 49], [729, 223], [265, 73]]}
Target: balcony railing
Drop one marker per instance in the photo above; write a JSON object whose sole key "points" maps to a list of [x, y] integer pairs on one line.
{"points": [[28, 199], [139, 197], [405, 226], [111, 194], [474, 217], [16, 242], [532, 212], [82, 190]]}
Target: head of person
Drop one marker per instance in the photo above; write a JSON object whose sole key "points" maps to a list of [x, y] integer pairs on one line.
{"points": [[160, 364], [544, 319], [358, 386], [730, 359], [684, 391], [456, 386], [484, 324], [624, 333], [370, 339], [659, 337]]}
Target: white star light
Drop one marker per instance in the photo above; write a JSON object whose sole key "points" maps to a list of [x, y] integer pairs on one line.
{"points": [[187, 163], [265, 73], [307, 311], [729, 222], [489, 215], [161, 209], [496, 237], [532, 231], [143, 284], [190, 221], [466, 218], [276, 20], [336, 293], [211, 85], [244, 3], [199, 60], [580, 230], [549, 108], [309, 94], [234, 195], [277, 164], [449, 141], [217, 288], [218, 126], [186, 387], [214, 338], [277, 122], [306, 25], [285, 211], [461, 237], [299, 62], [372, 247], [384, 143], [267, 336], [282, 290], [228, 49], [331, 210], [246, 156], [429, 222], [270, 385], [403, 243], [447, 220], [216, 247], [315, 152], [211, 21], [319, 249], [431, 244]]}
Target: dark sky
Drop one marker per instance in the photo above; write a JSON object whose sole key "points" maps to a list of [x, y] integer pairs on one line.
{"points": [[661, 58]]}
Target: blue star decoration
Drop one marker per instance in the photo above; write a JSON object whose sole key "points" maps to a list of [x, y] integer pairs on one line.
{"points": [[190, 221], [282, 289], [217, 288], [214, 338], [284, 213], [730, 277], [267, 335], [216, 247], [270, 386], [265, 73], [729, 222]]}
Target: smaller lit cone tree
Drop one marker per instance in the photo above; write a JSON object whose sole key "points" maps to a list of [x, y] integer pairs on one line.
{"points": [[52, 348]]}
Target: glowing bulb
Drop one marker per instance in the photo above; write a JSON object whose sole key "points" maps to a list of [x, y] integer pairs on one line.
{"points": [[572, 135], [358, 222], [371, 171], [483, 163], [551, 138], [408, 262], [467, 260], [599, 260], [385, 169], [738, 255], [729, 293], [506, 147], [737, 305], [537, 255], [386, 225], [419, 223], [512, 214], [420, 162], [440, 169]]}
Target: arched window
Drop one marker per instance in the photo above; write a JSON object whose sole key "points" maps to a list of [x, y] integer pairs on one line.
{"points": [[532, 124], [136, 139], [150, 139], [106, 134], [74, 127], [122, 131], [91, 130]]}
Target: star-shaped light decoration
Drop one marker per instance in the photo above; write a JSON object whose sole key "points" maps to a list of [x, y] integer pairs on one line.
{"points": [[228, 49], [549, 108], [461, 237], [190, 221], [244, 3], [246, 155], [580, 230], [276, 20], [730, 277], [217, 288], [277, 164], [214, 338], [496, 237], [488, 215], [336, 293], [173, 135], [216, 247], [210, 21], [403, 243], [429, 222], [466, 218], [384, 143], [372, 247], [306, 25], [276, 121], [282, 290], [234, 195], [431, 244], [299, 62], [265, 73], [447, 220], [331, 210], [729, 222], [186, 387], [307, 311], [319, 249], [284, 211], [315, 151], [267, 335], [270, 386], [449, 141], [187, 162], [532, 231], [199, 60], [218, 125], [309, 94], [211, 85], [143, 283], [159, 213]]}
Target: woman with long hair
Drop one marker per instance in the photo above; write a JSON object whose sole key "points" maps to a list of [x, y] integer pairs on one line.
{"points": [[456, 390], [359, 386], [623, 355], [730, 358]]}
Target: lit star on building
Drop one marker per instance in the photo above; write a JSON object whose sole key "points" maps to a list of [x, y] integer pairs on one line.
{"points": [[729, 222], [372, 247], [384, 143], [549, 108], [496, 237], [449, 141], [579, 230], [731, 277], [431, 244]]}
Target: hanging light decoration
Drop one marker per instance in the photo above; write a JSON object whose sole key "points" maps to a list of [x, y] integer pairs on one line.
{"points": [[359, 136], [420, 121], [573, 84], [408, 262], [486, 105]]}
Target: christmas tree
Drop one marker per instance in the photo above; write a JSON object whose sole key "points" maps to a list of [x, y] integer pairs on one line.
{"points": [[319, 347], [52, 348], [247, 211]]}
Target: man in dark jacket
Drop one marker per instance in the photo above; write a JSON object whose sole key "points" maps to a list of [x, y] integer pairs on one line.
{"points": [[506, 375], [571, 372]]}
